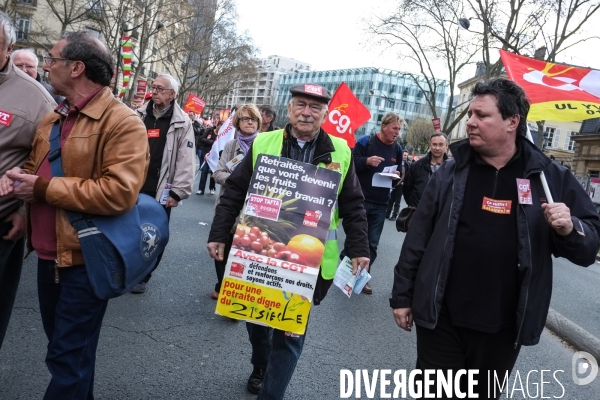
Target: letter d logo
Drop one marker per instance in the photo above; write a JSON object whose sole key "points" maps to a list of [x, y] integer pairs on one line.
{"points": [[584, 364]]}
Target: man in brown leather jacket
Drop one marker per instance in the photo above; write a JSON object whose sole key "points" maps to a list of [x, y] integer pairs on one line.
{"points": [[104, 153]]}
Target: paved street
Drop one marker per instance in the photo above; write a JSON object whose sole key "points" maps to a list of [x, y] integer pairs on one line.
{"points": [[169, 344]]}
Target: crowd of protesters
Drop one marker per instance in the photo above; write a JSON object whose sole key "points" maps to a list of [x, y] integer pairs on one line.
{"points": [[459, 291]]}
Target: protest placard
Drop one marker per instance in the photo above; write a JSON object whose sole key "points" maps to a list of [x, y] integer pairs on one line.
{"points": [[278, 245]]}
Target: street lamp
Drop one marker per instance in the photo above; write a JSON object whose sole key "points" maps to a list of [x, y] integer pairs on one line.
{"points": [[159, 27], [372, 92]]}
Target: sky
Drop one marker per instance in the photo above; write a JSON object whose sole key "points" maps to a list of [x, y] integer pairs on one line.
{"points": [[330, 34]]}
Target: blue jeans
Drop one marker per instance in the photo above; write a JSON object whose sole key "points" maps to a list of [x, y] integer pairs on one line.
{"points": [[260, 338], [72, 317], [376, 214], [11, 262], [205, 171], [282, 359], [199, 154]]}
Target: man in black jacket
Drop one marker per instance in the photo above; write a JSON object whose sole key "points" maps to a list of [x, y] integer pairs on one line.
{"points": [[198, 132], [420, 172], [475, 271], [206, 141], [396, 195]]}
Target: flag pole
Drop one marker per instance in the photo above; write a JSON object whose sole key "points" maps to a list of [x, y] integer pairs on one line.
{"points": [[542, 176]]}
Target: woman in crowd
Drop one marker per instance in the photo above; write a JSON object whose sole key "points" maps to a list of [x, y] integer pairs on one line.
{"points": [[247, 122]]}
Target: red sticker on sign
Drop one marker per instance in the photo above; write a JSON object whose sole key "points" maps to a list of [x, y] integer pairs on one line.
{"points": [[524, 189], [153, 133], [311, 218], [263, 207], [237, 269], [496, 206], [5, 118]]}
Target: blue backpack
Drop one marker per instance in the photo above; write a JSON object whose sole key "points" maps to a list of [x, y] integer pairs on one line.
{"points": [[118, 251]]}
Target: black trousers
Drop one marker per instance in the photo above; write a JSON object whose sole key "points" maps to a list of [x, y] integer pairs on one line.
{"points": [[220, 265], [394, 204], [448, 347]]}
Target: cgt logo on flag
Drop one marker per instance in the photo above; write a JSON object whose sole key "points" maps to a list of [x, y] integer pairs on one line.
{"points": [[556, 92], [346, 115]]}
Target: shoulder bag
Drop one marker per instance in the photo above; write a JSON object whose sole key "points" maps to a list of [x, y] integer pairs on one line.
{"points": [[120, 250]]}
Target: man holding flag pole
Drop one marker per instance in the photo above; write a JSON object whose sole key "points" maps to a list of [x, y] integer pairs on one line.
{"points": [[475, 271]]}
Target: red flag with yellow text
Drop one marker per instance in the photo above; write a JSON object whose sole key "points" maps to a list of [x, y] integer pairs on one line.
{"points": [[346, 115], [557, 92]]}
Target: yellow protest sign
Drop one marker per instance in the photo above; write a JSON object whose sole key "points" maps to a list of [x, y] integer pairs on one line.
{"points": [[251, 302]]}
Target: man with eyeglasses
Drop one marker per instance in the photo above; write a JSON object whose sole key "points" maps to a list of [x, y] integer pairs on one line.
{"points": [[104, 156], [301, 140], [172, 151], [420, 172], [23, 104], [26, 60]]}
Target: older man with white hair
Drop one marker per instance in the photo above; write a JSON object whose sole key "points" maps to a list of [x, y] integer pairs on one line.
{"points": [[172, 152], [27, 61]]}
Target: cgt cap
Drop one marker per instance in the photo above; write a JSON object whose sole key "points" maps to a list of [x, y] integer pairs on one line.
{"points": [[311, 90]]}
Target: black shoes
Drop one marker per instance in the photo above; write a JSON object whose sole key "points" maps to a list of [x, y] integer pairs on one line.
{"points": [[392, 217], [255, 380]]}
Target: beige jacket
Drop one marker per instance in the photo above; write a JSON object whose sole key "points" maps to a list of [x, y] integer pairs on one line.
{"points": [[179, 157], [231, 149], [23, 105], [105, 160]]}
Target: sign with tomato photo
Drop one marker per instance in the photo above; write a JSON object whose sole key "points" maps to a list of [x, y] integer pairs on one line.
{"points": [[278, 245]]}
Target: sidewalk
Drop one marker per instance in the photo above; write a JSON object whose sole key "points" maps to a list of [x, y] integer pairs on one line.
{"points": [[573, 333]]}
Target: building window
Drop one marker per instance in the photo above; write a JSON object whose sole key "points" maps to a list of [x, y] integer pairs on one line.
{"points": [[552, 135], [23, 24], [569, 143], [95, 7], [27, 2]]}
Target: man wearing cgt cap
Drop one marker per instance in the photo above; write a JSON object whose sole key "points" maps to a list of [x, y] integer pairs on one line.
{"points": [[301, 140]]}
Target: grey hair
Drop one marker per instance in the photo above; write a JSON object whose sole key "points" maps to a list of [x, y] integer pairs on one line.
{"points": [[27, 51], [172, 81], [10, 37]]}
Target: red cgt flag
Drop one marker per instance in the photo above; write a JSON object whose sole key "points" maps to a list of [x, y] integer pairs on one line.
{"points": [[557, 92], [346, 115]]}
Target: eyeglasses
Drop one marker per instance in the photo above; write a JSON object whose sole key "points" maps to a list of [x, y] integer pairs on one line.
{"points": [[49, 60], [158, 89], [314, 107], [249, 119], [21, 66]]}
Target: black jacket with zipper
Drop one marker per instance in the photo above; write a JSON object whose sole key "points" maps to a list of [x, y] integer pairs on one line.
{"points": [[416, 179], [421, 274]]}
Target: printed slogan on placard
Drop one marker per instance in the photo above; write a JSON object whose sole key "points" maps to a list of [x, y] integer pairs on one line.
{"points": [[278, 245]]}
